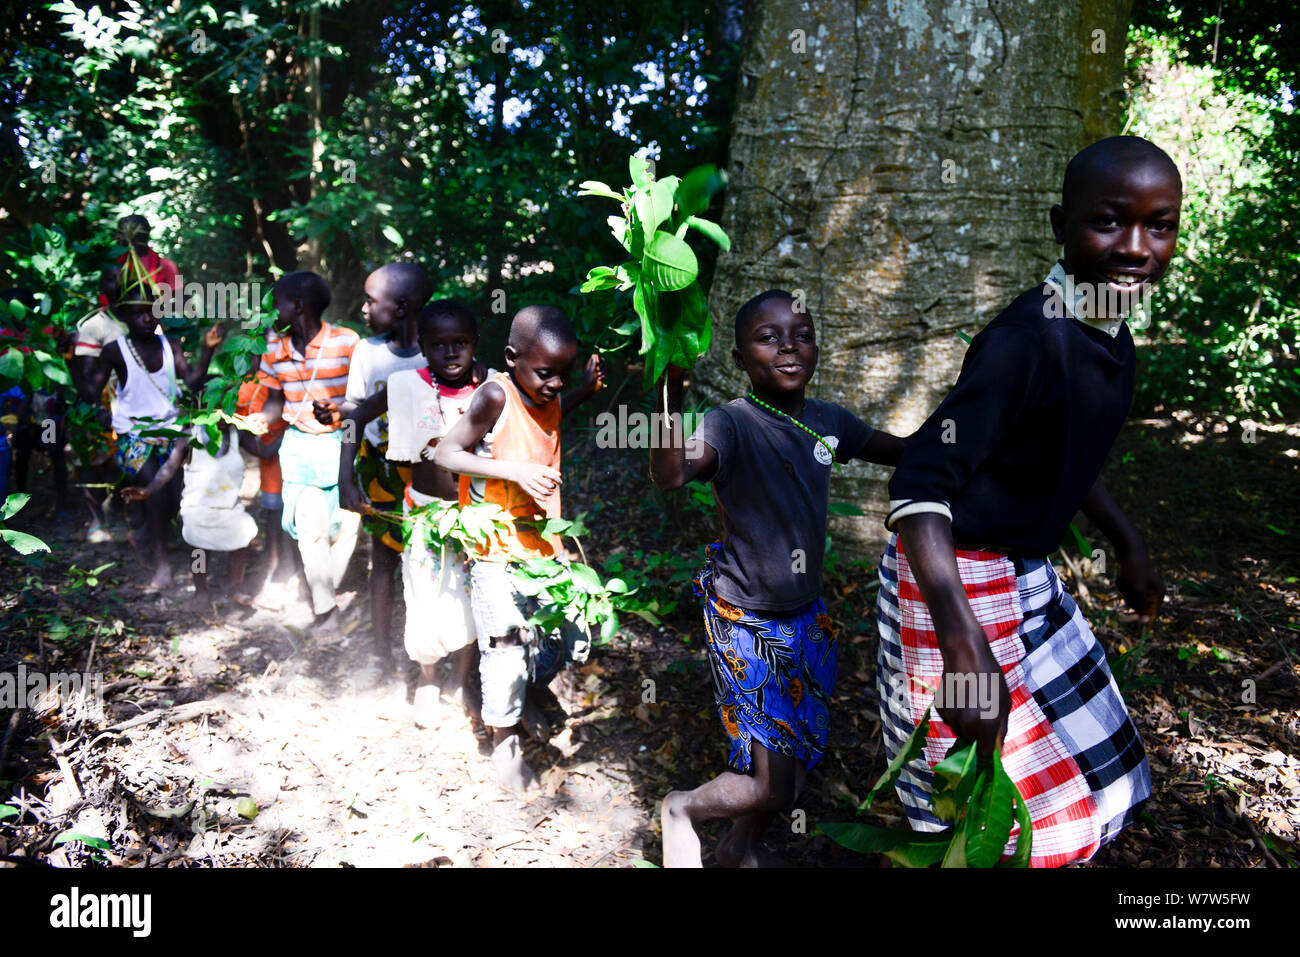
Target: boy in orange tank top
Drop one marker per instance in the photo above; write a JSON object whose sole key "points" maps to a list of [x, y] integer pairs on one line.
{"points": [[507, 451]]}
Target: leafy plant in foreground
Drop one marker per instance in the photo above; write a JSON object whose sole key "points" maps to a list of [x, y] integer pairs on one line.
{"points": [[981, 803], [564, 590], [20, 542]]}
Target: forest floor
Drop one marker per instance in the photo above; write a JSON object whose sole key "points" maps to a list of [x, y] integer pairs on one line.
{"points": [[227, 738]]}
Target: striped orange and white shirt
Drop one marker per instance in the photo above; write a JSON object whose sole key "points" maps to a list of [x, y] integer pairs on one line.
{"points": [[321, 374]]}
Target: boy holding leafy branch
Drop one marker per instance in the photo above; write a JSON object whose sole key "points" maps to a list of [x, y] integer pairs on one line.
{"points": [[394, 295], [507, 451], [768, 456], [421, 405]]}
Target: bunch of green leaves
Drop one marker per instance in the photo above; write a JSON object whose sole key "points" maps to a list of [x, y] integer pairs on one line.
{"points": [[233, 364], [980, 801], [662, 271], [38, 366], [624, 566], [463, 527], [60, 275], [574, 591], [20, 542], [564, 590]]}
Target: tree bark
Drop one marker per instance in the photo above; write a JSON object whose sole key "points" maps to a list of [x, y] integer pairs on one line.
{"points": [[895, 160]]}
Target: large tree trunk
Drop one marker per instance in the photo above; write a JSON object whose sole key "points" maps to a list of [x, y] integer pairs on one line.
{"points": [[899, 171]]}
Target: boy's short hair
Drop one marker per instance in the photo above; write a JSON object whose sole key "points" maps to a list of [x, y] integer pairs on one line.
{"points": [[747, 313], [312, 289], [444, 308], [130, 224], [1126, 150], [408, 281], [534, 323]]}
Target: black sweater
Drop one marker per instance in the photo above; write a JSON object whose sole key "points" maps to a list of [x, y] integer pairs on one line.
{"points": [[1021, 438]]}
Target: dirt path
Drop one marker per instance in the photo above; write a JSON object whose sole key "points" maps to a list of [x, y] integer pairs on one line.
{"points": [[338, 774]]}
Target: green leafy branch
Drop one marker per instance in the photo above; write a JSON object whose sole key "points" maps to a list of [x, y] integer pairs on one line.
{"points": [[980, 801], [20, 542], [662, 271], [564, 590]]}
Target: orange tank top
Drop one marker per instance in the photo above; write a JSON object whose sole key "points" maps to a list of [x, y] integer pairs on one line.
{"points": [[523, 433]]}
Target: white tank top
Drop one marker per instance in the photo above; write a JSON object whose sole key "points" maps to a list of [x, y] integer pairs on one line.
{"points": [[146, 395]]}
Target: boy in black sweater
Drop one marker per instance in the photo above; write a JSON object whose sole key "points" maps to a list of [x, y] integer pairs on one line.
{"points": [[969, 606]]}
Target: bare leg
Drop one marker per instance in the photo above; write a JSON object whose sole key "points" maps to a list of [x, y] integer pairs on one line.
{"points": [[427, 712], [508, 756], [202, 597], [383, 563], [503, 669], [275, 546], [464, 667], [739, 846], [238, 567], [59, 464], [157, 512], [755, 798]]}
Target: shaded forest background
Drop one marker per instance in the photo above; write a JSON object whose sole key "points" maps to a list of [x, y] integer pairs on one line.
{"points": [[340, 136], [291, 134]]}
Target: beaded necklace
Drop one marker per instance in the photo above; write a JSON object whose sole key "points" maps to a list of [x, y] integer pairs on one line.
{"points": [[790, 418], [171, 374]]}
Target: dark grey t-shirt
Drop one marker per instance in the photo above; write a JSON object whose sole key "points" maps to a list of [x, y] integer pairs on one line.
{"points": [[772, 488]]}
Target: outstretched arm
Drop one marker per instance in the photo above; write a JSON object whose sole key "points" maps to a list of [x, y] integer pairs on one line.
{"points": [[454, 451], [1137, 581], [251, 442], [593, 378], [273, 407], [193, 376], [365, 412], [883, 449], [679, 460], [162, 477]]}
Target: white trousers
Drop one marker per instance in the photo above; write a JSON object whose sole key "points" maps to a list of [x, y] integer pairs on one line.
{"points": [[324, 558]]}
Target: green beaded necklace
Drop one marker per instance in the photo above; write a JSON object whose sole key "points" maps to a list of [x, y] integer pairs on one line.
{"points": [[793, 420]]}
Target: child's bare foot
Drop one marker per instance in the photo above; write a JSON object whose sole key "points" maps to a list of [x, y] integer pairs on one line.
{"points": [[201, 602], [162, 579], [681, 843], [328, 627], [428, 709], [513, 771], [533, 720], [273, 595]]}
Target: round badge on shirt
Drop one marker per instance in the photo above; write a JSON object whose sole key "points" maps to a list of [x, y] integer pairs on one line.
{"points": [[821, 452]]}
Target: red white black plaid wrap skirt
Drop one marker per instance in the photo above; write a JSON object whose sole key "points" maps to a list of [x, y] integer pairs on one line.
{"points": [[1070, 745]]}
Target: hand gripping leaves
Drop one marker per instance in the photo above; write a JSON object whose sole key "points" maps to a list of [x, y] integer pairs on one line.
{"points": [[563, 589], [662, 272], [981, 803]]}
